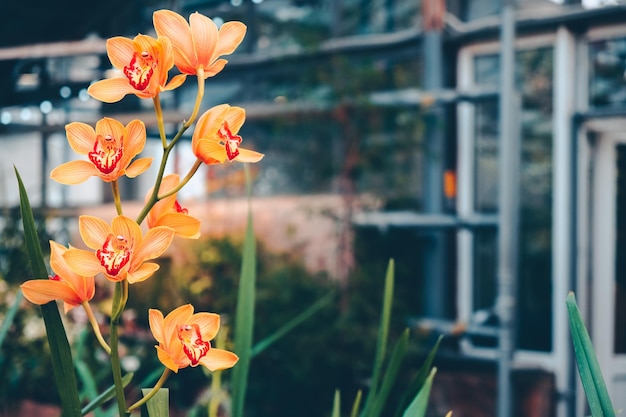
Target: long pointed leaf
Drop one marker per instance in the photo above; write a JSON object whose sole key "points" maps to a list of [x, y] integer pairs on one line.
{"points": [[588, 366], [336, 405], [418, 381], [62, 364], [291, 324], [356, 404], [418, 406], [381, 342], [244, 319], [390, 374]]}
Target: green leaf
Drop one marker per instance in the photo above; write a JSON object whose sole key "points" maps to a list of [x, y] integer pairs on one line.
{"points": [[381, 342], [291, 324], [158, 405], [106, 395], [418, 406], [356, 404], [418, 381], [62, 364], [588, 366], [244, 319], [336, 405], [390, 374]]}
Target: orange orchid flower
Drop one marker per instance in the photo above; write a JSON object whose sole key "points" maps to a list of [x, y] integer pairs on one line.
{"points": [[168, 212], [110, 149], [215, 138], [198, 44], [184, 339], [66, 285], [119, 250], [144, 62]]}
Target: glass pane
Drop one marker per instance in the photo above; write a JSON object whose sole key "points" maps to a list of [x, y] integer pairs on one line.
{"points": [[534, 82], [620, 248], [608, 66]]}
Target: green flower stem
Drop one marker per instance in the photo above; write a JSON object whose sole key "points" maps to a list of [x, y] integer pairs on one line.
{"points": [[155, 389], [120, 297], [185, 180], [167, 148], [115, 188], [96, 327], [159, 115], [199, 97]]}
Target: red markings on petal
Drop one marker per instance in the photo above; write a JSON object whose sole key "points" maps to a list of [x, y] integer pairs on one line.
{"points": [[231, 142], [106, 154], [179, 208], [114, 254], [194, 347], [140, 70]]}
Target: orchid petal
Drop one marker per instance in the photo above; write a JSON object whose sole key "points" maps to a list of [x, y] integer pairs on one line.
{"points": [[83, 262], [145, 271], [42, 291], [137, 167], [205, 36], [247, 155], [184, 225], [93, 230], [218, 359], [120, 51], [81, 137], [73, 172], [156, 241], [231, 34], [110, 90]]}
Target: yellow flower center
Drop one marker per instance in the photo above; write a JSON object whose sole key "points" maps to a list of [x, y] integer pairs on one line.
{"points": [[194, 347], [107, 152], [140, 70], [115, 254]]}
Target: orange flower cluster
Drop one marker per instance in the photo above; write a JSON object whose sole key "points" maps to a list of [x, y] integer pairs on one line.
{"points": [[121, 251]]}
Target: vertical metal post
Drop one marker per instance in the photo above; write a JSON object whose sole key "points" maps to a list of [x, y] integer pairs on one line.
{"points": [[435, 262], [509, 167]]}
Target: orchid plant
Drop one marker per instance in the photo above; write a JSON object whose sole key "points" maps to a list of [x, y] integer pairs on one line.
{"points": [[124, 251]]}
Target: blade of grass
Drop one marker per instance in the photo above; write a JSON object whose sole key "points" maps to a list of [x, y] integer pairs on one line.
{"points": [[381, 342], [62, 364], [291, 324], [418, 381], [390, 374], [336, 405], [356, 404], [588, 366], [244, 319], [418, 406], [106, 395]]}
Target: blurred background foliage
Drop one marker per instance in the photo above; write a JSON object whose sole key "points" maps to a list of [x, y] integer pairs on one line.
{"points": [[298, 374]]}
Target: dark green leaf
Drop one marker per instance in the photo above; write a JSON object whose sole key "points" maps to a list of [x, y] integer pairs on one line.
{"points": [[381, 341], [62, 364], [390, 374], [418, 406], [588, 366], [244, 319], [418, 381]]}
